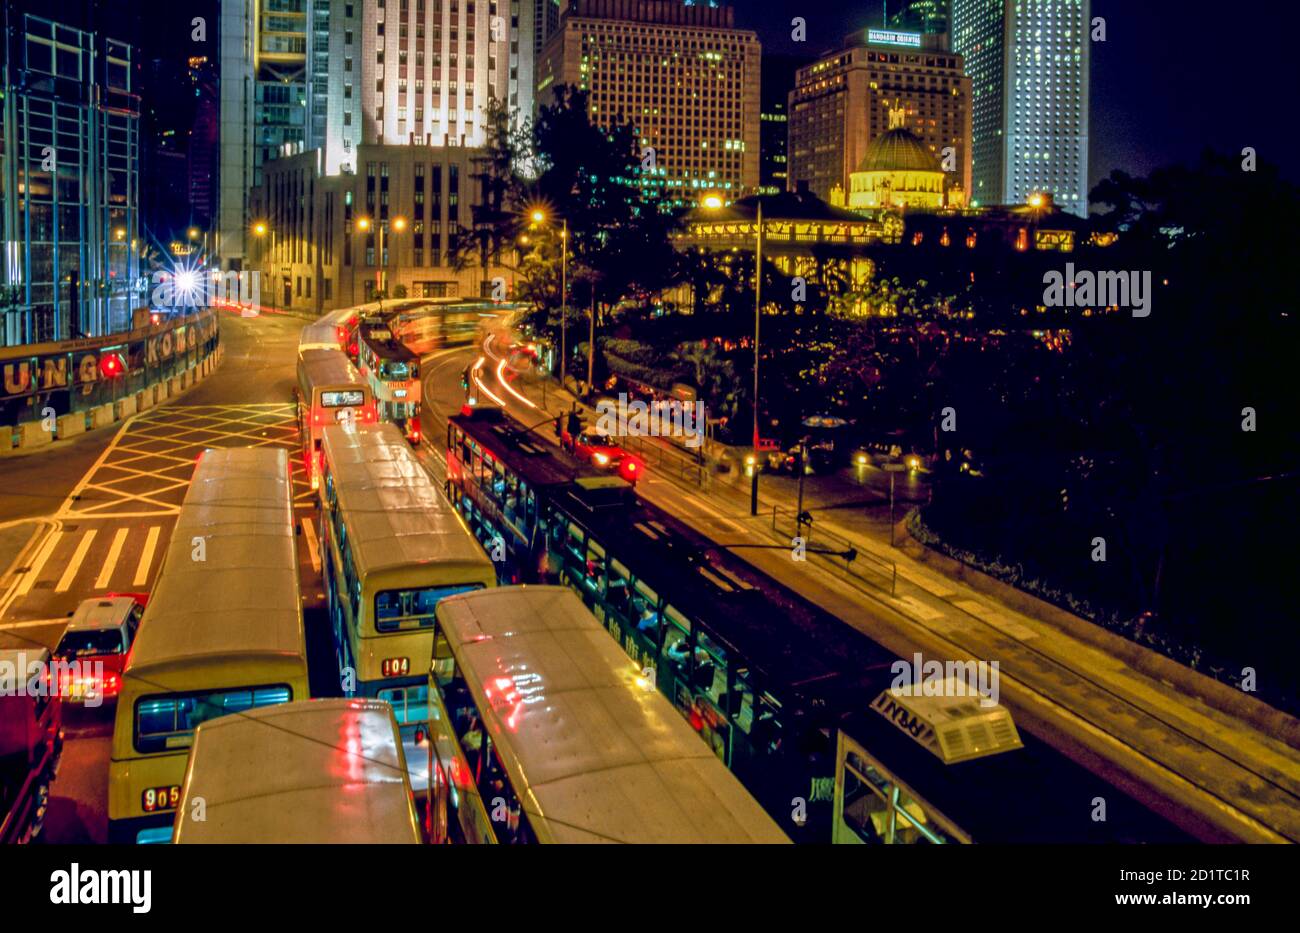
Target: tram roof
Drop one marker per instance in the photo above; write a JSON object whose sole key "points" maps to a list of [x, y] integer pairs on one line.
{"points": [[339, 776], [395, 514], [241, 598], [381, 340], [527, 453], [596, 753]]}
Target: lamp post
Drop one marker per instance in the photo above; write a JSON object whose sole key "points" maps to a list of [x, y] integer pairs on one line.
{"points": [[538, 216], [381, 267], [715, 202]]}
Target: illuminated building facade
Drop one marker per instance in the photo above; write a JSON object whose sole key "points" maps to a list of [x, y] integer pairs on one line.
{"points": [[682, 74], [1028, 61], [315, 255], [841, 103], [69, 181]]}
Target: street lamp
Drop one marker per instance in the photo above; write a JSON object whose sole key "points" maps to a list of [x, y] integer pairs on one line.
{"points": [[538, 216], [714, 202], [381, 267]]}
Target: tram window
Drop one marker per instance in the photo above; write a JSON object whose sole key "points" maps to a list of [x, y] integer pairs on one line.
{"points": [[866, 810], [616, 593], [530, 516], [574, 543], [711, 669], [742, 700], [498, 481], [913, 825], [476, 463], [677, 641], [768, 731], [511, 505], [595, 577], [645, 611]]}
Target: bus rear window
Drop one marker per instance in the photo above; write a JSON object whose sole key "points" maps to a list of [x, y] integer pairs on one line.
{"points": [[167, 722], [341, 398], [403, 609]]}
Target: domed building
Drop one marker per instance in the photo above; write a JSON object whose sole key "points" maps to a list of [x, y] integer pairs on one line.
{"points": [[898, 172]]}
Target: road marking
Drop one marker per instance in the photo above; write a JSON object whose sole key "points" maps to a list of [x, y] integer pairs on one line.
{"points": [[927, 613], [74, 565], [313, 549], [110, 562], [146, 556], [10, 626], [38, 564]]}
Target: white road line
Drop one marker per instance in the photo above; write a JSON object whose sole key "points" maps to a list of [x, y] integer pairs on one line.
{"points": [[29, 579], [146, 557], [74, 565], [9, 626], [110, 562], [313, 549]]}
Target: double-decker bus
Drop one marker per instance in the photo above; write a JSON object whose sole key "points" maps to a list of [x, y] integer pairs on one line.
{"points": [[392, 548], [222, 632], [543, 731], [336, 775], [393, 374], [330, 391], [443, 322]]}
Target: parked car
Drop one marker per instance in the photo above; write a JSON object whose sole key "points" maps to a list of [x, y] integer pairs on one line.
{"points": [[99, 637], [31, 743]]}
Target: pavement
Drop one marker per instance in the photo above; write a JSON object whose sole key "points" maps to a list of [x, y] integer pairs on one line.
{"points": [[1190, 753]]}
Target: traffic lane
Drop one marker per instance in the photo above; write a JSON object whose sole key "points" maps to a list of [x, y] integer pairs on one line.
{"points": [[78, 811], [259, 362], [35, 484]]}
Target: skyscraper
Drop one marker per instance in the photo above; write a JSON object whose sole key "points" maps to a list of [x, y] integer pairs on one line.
{"points": [[1028, 62], [683, 74], [925, 16]]}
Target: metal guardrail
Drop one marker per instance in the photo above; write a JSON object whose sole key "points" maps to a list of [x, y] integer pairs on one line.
{"points": [[864, 566]]}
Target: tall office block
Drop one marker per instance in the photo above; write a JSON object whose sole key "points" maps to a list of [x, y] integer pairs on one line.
{"points": [[685, 77], [1028, 61], [69, 181]]}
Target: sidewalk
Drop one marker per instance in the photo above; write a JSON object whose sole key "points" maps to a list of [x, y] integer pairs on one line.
{"points": [[1175, 736]]}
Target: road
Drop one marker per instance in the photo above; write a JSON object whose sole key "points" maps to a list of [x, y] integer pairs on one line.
{"points": [[107, 503]]}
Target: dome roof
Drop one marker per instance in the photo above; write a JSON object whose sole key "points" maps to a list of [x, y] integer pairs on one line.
{"points": [[899, 150]]}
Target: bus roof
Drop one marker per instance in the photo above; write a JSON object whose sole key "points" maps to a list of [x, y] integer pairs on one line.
{"points": [[228, 585], [396, 516], [338, 776], [595, 752], [325, 368]]}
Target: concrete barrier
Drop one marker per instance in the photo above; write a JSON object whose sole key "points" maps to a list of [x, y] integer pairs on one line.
{"points": [[143, 400], [124, 408], [173, 387], [72, 424], [32, 434], [101, 416]]}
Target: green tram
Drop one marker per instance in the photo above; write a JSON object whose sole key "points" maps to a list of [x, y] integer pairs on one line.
{"points": [[760, 673]]}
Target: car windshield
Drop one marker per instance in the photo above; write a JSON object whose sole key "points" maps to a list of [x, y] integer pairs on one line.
{"points": [[90, 642]]}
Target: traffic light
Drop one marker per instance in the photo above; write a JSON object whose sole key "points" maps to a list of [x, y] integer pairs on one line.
{"points": [[111, 365]]}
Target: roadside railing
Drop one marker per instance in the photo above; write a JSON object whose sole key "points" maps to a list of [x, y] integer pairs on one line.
{"points": [[837, 551]]}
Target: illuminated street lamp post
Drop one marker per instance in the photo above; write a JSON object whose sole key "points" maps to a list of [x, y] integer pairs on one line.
{"points": [[538, 216], [381, 267], [714, 202]]}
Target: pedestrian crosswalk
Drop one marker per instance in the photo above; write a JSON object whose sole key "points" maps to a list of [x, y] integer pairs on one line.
{"points": [[85, 560]]}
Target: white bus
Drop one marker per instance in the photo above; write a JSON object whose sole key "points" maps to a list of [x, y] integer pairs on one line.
{"points": [[332, 332], [315, 771], [330, 391], [542, 730], [393, 548], [222, 632]]}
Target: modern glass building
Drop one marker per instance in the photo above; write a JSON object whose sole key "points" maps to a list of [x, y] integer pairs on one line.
{"points": [[69, 182], [1028, 61]]}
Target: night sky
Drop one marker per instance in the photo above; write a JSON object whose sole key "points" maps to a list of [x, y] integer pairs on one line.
{"points": [[1173, 77]]}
